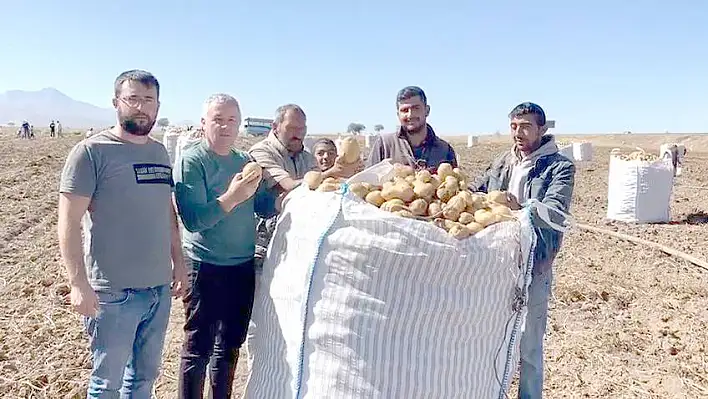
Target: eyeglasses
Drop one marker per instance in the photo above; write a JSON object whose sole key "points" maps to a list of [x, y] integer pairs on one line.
{"points": [[134, 101]]}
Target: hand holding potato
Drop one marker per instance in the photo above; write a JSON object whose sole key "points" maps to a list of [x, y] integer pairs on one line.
{"points": [[243, 185], [346, 170]]}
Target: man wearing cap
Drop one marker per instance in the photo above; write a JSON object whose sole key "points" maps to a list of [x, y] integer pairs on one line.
{"points": [[533, 169], [415, 143]]}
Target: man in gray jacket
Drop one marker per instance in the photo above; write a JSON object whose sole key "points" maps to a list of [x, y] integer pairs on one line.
{"points": [[534, 169]]}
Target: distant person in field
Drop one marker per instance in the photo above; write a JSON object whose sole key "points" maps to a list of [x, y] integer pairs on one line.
{"points": [[52, 131], [415, 143], [325, 152], [116, 186], [533, 169], [25, 128], [285, 162], [217, 202], [60, 129]]}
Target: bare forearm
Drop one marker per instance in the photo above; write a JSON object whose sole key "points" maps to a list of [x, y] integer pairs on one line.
{"points": [[70, 246], [288, 184], [176, 243]]}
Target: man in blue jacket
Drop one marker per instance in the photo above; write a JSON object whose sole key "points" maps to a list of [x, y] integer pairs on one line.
{"points": [[534, 169]]}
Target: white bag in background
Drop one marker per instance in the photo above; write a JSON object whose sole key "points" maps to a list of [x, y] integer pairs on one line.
{"points": [[639, 191], [582, 152], [567, 151]]}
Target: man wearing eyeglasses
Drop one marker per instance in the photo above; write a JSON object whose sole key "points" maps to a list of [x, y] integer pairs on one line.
{"points": [[118, 184], [534, 169], [415, 143]]}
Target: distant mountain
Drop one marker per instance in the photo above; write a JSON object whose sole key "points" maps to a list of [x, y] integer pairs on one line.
{"points": [[41, 107]]}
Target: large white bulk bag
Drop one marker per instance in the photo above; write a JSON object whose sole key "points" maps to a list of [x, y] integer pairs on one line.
{"points": [[367, 141], [169, 140], [355, 302], [472, 141], [567, 151], [582, 152], [639, 191]]}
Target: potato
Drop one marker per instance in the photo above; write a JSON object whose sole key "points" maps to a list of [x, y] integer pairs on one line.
{"points": [[332, 180], [418, 207], [375, 198], [460, 231], [451, 184], [502, 210], [484, 217], [444, 170], [450, 213], [328, 187], [459, 174], [400, 180], [387, 184], [444, 194], [424, 176], [359, 190], [467, 196], [452, 181], [401, 170], [349, 149], [400, 191], [435, 180], [498, 197], [252, 167], [466, 218], [403, 213], [410, 179], [393, 205], [423, 190], [475, 227], [312, 179], [434, 209], [445, 224], [457, 202]]}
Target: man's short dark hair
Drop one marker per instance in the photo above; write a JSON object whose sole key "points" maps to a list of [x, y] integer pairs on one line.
{"points": [[136, 75], [410, 92], [283, 109], [324, 141], [529, 108]]}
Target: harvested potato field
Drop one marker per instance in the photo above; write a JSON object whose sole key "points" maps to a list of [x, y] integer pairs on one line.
{"points": [[626, 320]]}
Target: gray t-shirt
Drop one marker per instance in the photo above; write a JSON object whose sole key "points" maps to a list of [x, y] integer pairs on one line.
{"points": [[127, 227]]}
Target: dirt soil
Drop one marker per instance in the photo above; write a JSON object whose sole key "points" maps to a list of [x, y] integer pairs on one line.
{"points": [[626, 321]]}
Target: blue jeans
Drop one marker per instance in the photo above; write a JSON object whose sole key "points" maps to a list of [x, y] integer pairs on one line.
{"points": [[531, 374], [126, 340]]}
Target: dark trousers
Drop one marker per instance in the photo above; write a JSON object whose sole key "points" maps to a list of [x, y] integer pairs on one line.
{"points": [[218, 307]]}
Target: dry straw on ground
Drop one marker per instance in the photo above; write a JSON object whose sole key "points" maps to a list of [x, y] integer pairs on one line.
{"points": [[626, 321]]}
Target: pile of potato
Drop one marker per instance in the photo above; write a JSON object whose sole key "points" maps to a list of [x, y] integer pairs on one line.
{"points": [[442, 199], [639, 155]]}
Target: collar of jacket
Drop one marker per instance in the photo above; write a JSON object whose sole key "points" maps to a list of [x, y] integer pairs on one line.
{"points": [[430, 136], [547, 140]]}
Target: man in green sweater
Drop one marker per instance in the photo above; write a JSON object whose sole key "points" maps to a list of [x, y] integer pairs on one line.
{"points": [[216, 203]]}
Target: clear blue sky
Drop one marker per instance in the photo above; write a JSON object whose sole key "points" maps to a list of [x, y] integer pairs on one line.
{"points": [[594, 66]]}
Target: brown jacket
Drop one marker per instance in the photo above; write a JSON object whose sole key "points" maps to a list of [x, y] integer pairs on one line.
{"points": [[395, 146]]}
